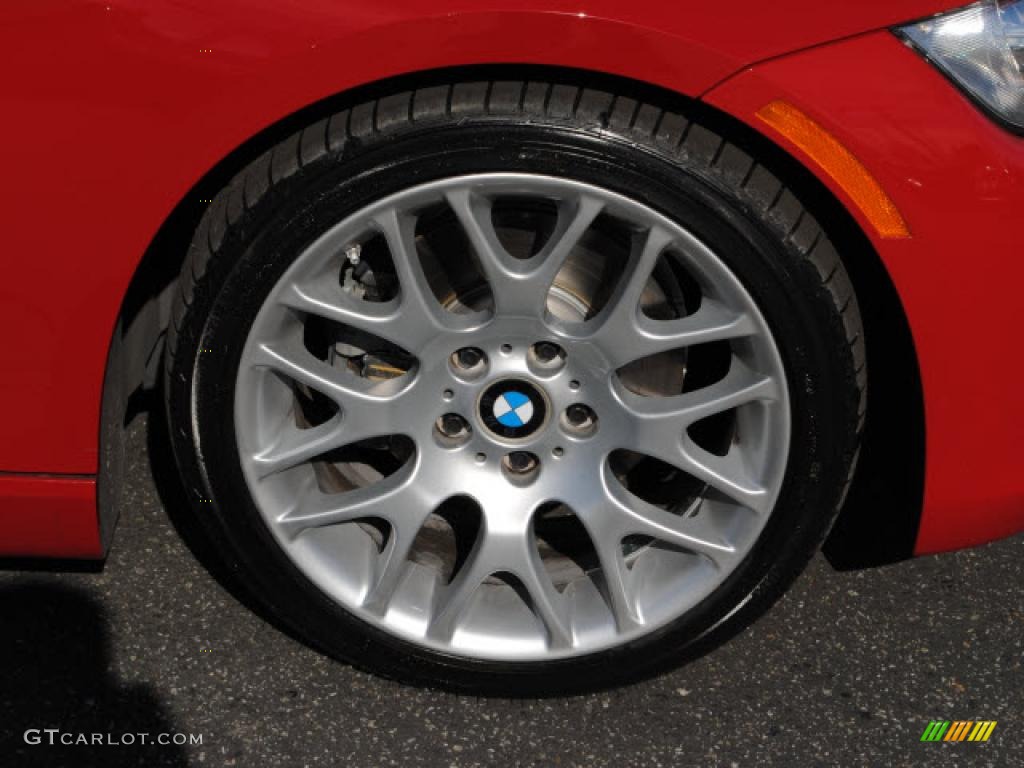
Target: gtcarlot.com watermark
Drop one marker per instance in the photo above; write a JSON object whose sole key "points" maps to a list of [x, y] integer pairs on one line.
{"points": [[55, 736]]}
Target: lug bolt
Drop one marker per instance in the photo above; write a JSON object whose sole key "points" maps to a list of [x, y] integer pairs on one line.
{"points": [[520, 462], [452, 425], [469, 357], [578, 415], [546, 351]]}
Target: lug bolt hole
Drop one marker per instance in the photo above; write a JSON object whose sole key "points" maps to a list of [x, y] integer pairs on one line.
{"points": [[558, 452], [506, 349], [579, 420], [469, 361], [574, 385], [480, 458], [547, 355], [452, 428], [520, 463]]}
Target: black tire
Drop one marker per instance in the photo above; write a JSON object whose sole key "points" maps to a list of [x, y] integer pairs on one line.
{"points": [[285, 198]]}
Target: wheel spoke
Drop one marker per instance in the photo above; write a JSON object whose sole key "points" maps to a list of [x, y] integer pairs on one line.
{"points": [[661, 423], [420, 317], [695, 534], [386, 499], [549, 606], [328, 300], [623, 307], [738, 387], [393, 561], [574, 219], [727, 474], [293, 446], [514, 553], [302, 367], [604, 524], [520, 286], [618, 585], [638, 336]]}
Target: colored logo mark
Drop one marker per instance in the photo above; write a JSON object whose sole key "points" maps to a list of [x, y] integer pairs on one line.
{"points": [[513, 409], [958, 730]]}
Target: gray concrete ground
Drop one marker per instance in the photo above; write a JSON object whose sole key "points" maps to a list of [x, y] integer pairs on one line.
{"points": [[847, 669]]}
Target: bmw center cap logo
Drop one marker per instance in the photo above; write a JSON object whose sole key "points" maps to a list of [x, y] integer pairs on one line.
{"points": [[512, 409]]}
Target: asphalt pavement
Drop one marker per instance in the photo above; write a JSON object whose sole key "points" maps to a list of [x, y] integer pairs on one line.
{"points": [[848, 669]]}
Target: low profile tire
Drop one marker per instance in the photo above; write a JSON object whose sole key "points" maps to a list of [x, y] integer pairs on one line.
{"points": [[513, 388]]}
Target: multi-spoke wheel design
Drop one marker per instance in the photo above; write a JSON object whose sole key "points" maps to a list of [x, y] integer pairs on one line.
{"points": [[513, 388], [512, 417]]}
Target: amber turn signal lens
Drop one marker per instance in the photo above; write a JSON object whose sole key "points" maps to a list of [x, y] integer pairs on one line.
{"points": [[839, 163]]}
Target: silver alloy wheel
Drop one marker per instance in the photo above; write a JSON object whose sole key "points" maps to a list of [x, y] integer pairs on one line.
{"points": [[355, 529]]}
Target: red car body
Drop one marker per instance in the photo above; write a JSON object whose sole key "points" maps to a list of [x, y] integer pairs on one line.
{"points": [[116, 113]]}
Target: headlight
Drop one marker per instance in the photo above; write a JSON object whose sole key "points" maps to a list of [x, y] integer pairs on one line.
{"points": [[981, 48]]}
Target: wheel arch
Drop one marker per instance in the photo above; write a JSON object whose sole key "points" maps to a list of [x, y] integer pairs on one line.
{"points": [[880, 518]]}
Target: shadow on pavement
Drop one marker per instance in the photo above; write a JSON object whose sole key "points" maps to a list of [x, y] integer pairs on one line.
{"points": [[55, 672]]}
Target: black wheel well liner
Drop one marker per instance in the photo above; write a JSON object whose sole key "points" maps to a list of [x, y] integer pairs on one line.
{"points": [[882, 511]]}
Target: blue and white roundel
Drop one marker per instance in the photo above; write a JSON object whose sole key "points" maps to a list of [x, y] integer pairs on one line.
{"points": [[513, 409]]}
